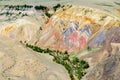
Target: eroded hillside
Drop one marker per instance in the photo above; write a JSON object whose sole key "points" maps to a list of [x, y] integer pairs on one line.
{"points": [[69, 29], [81, 33], [20, 63]]}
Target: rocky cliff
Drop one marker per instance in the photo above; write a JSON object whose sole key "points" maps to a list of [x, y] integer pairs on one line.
{"points": [[72, 29], [108, 67]]}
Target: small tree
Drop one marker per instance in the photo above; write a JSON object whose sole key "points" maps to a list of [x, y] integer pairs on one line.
{"points": [[56, 7], [88, 48], [48, 14]]}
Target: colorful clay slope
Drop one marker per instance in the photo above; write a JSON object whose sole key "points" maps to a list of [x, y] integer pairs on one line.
{"points": [[73, 28]]}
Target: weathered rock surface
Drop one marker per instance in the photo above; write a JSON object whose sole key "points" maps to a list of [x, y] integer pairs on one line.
{"points": [[107, 47], [111, 35], [108, 67], [25, 29], [69, 29], [20, 63]]}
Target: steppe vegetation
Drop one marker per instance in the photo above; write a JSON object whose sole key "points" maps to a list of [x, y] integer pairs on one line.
{"points": [[12, 12]]}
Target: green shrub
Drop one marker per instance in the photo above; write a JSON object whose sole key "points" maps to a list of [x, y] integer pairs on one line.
{"points": [[41, 7], [56, 7], [48, 14], [75, 67]]}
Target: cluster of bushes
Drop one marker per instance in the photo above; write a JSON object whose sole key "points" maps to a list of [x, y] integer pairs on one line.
{"points": [[19, 7], [38, 49], [13, 15], [37, 7], [75, 67], [41, 7], [6, 13], [24, 14], [56, 7], [102, 18], [44, 8], [48, 14], [117, 3]]}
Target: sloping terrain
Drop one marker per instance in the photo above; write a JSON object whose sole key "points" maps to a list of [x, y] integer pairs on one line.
{"points": [[108, 68], [24, 29], [71, 29], [105, 62], [108, 48], [111, 35], [20, 63], [87, 33]]}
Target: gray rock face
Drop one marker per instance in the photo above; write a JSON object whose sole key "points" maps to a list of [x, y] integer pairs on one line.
{"points": [[19, 63], [104, 38], [108, 69]]}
